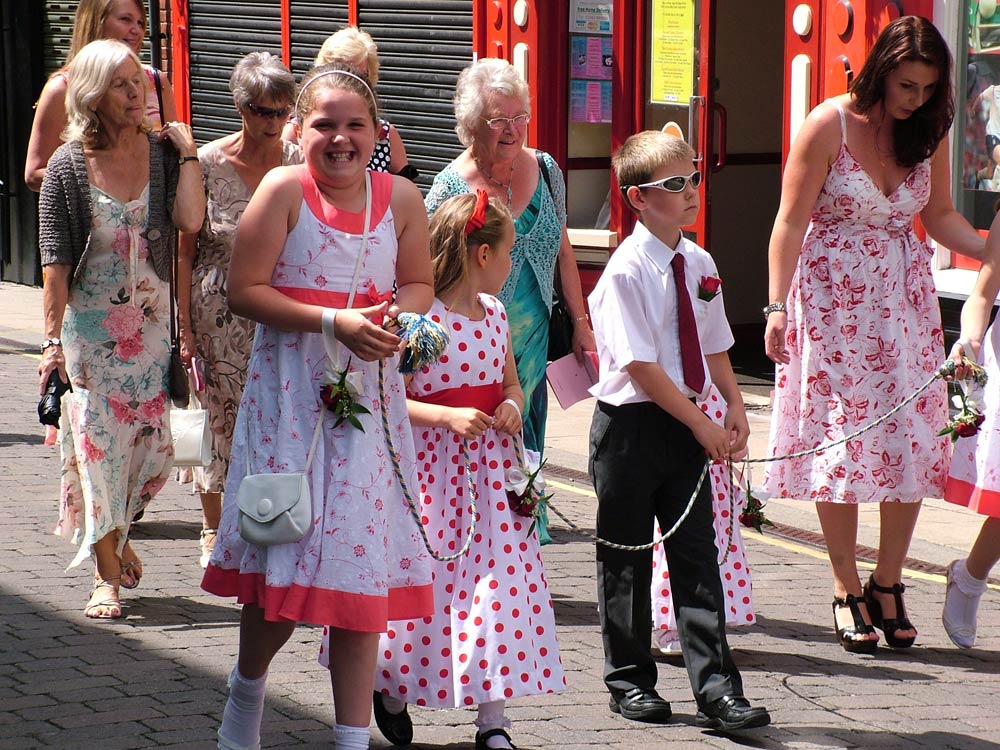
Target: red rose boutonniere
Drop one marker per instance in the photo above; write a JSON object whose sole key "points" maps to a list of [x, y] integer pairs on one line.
{"points": [[709, 288], [340, 392]]}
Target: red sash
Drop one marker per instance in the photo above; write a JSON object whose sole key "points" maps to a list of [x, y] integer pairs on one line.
{"points": [[486, 398]]}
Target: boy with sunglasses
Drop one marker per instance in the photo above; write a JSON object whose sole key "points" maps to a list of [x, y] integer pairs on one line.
{"points": [[662, 338]]}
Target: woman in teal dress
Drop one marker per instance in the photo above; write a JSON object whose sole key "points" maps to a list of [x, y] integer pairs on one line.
{"points": [[492, 114]]}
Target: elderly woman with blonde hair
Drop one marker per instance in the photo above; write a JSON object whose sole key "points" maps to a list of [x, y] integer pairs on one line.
{"points": [[356, 49], [111, 202], [231, 168], [492, 112]]}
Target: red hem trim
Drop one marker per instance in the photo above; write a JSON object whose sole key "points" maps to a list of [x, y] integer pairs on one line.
{"points": [[982, 501], [337, 218], [338, 609]]}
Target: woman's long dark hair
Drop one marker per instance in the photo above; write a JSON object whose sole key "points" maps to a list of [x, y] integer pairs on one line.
{"points": [[909, 39]]}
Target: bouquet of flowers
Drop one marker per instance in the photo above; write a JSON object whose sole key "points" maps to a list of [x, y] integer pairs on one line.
{"points": [[970, 416], [752, 515], [526, 488], [340, 392]]}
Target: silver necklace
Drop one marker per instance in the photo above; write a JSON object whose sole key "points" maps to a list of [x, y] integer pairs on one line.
{"points": [[506, 186]]}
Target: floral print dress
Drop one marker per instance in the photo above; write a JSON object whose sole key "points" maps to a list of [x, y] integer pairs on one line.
{"points": [[864, 331], [362, 562], [116, 449], [223, 339]]}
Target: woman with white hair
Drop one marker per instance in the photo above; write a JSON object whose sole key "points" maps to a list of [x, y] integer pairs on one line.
{"points": [[112, 199], [492, 113], [231, 168]]}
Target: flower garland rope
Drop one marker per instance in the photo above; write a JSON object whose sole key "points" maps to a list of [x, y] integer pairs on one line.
{"points": [[945, 370], [426, 341]]}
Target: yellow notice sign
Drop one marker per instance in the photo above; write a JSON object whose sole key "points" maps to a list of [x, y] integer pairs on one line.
{"points": [[672, 58]]}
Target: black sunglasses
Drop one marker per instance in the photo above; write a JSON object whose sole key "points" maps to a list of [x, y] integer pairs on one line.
{"points": [[268, 112], [675, 184]]}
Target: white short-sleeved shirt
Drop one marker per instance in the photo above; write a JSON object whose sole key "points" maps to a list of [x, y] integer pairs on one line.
{"points": [[634, 312]]}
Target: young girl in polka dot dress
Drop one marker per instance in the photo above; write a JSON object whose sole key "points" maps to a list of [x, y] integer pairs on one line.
{"points": [[492, 636], [735, 572]]}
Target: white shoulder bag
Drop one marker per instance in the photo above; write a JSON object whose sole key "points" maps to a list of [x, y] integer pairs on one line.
{"points": [[189, 429], [277, 508]]}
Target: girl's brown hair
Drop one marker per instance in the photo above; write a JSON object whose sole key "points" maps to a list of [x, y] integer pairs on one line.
{"points": [[333, 76], [909, 39], [89, 22], [450, 245]]}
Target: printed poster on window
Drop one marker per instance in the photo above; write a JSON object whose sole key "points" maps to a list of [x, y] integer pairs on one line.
{"points": [[590, 57], [672, 57], [590, 101], [588, 17]]}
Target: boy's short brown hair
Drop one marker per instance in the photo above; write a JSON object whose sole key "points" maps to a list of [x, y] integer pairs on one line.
{"points": [[643, 153]]}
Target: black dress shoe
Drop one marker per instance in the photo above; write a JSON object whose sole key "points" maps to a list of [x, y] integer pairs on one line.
{"points": [[481, 738], [732, 712], [640, 704], [397, 728]]}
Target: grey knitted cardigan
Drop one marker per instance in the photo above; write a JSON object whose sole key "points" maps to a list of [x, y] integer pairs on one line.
{"points": [[65, 213]]}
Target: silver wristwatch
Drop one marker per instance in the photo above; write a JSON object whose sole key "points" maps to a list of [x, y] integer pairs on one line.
{"points": [[773, 307], [50, 342]]}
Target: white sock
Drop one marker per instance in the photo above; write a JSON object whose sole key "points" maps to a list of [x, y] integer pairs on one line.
{"points": [[969, 584], [393, 705], [491, 716], [351, 738], [244, 710]]}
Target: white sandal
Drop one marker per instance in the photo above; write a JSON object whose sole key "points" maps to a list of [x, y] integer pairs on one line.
{"points": [[207, 541]]}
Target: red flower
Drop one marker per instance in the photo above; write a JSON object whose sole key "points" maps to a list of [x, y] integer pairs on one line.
{"points": [[709, 287]]}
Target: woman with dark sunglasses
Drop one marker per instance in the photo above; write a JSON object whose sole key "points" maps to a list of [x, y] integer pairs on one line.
{"points": [[231, 167]]}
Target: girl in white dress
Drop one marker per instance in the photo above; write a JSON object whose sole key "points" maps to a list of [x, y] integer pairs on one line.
{"points": [[492, 636], [298, 267], [974, 479], [734, 571]]}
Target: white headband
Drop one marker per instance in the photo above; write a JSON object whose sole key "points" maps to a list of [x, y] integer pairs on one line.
{"points": [[312, 80]]}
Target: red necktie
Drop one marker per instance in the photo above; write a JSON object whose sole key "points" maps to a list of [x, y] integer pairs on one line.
{"points": [[687, 330]]}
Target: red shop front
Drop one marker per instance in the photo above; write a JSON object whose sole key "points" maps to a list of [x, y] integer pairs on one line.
{"points": [[736, 77]]}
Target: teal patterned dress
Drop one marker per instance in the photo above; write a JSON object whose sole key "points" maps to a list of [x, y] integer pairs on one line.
{"points": [[527, 294]]}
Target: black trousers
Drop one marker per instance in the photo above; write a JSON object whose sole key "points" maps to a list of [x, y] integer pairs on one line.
{"points": [[645, 464]]}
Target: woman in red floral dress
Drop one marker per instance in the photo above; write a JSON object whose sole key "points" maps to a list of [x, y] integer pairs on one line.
{"points": [[854, 323]]}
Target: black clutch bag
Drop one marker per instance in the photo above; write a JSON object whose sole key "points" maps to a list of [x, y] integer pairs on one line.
{"points": [[178, 383], [49, 409], [560, 330]]}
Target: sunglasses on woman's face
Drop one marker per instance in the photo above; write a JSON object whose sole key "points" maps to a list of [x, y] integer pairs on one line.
{"points": [[268, 112], [675, 184]]}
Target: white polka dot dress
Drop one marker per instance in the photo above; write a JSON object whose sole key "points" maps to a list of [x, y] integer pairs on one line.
{"points": [[382, 154], [735, 573], [492, 635]]}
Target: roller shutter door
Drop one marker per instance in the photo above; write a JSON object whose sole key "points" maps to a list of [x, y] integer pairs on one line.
{"points": [[57, 32], [310, 23], [423, 46], [220, 33]]}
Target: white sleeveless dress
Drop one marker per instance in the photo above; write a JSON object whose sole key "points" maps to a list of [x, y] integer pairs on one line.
{"points": [[864, 332], [363, 562]]}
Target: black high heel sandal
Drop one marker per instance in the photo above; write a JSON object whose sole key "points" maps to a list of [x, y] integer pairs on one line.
{"points": [[889, 625], [847, 637]]}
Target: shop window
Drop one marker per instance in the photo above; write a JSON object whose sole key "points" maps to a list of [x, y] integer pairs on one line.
{"points": [[977, 117]]}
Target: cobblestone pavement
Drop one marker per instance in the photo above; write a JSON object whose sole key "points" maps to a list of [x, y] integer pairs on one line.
{"points": [[156, 678]]}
